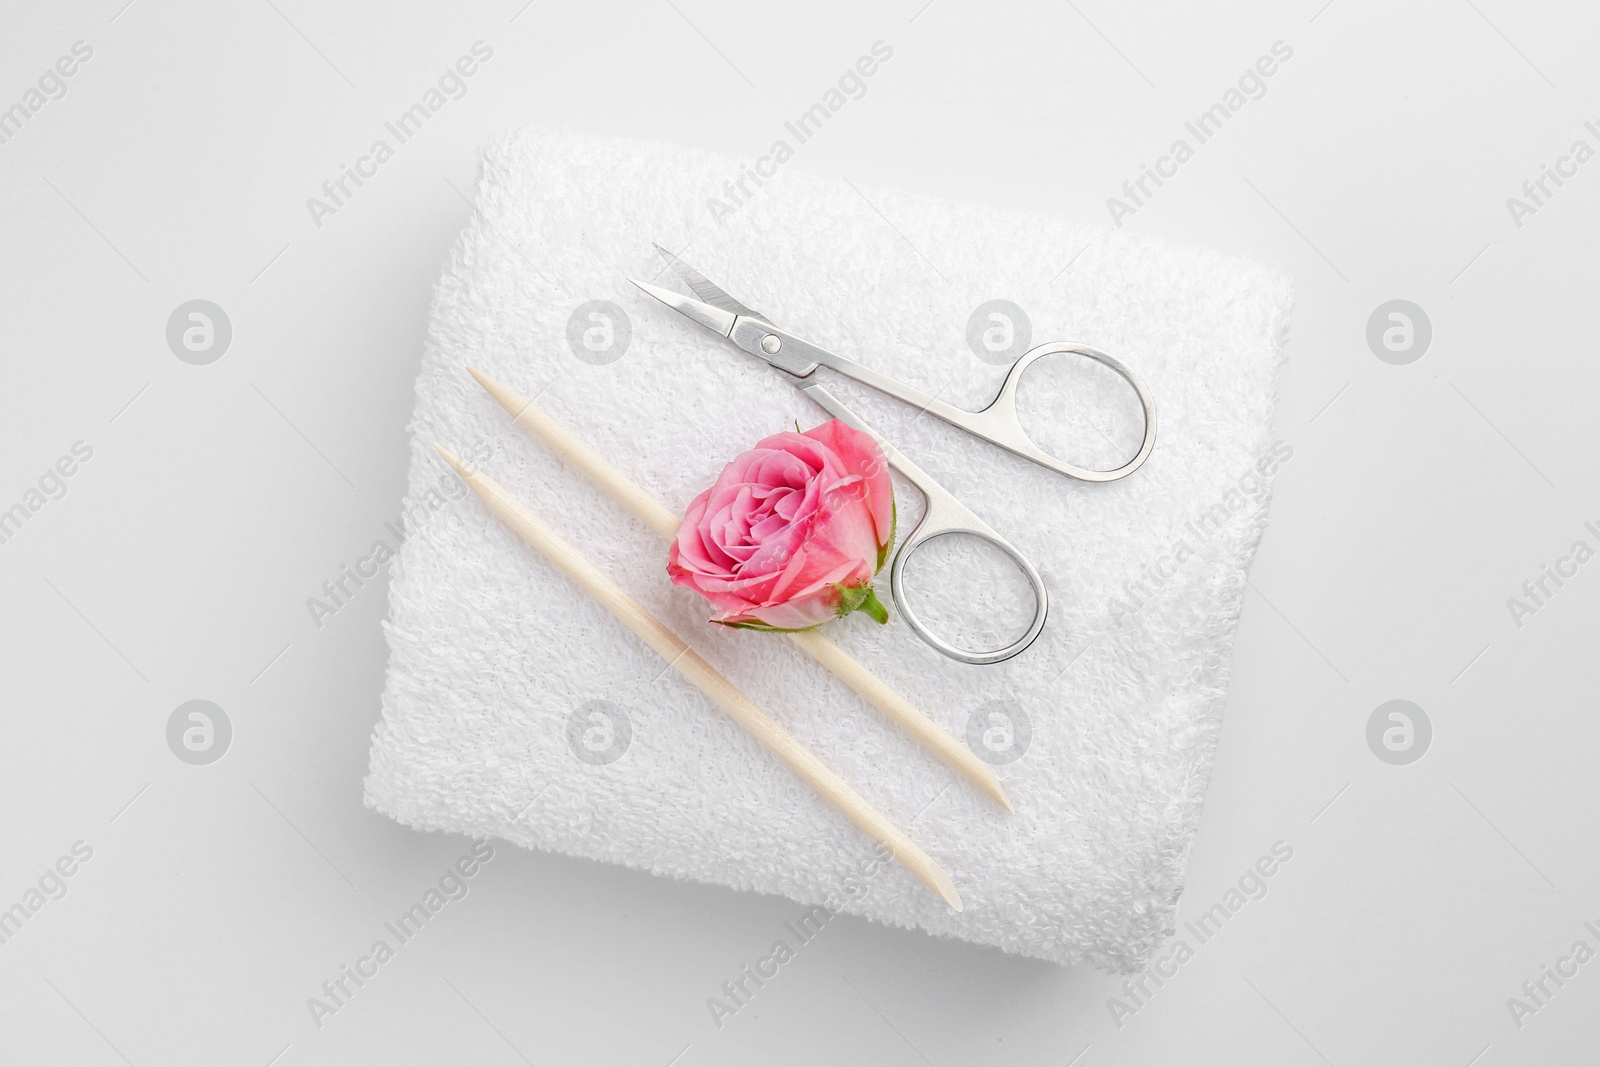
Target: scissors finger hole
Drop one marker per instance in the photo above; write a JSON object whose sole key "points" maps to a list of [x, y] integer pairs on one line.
{"points": [[968, 592], [1080, 411]]}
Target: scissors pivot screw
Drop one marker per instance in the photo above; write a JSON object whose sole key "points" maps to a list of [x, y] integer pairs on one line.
{"points": [[771, 343]]}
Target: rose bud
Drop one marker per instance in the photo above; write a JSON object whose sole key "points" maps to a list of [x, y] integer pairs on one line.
{"points": [[792, 532]]}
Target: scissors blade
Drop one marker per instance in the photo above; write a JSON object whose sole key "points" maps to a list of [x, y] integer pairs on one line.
{"points": [[715, 319], [704, 288], [718, 311]]}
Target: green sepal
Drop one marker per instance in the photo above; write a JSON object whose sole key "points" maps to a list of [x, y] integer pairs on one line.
{"points": [[874, 607], [761, 627], [861, 598], [894, 526], [852, 598]]}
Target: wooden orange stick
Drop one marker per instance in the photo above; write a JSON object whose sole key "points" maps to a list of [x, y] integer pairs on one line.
{"points": [[923, 729], [689, 663]]}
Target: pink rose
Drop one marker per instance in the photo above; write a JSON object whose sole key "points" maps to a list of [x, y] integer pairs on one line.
{"points": [[792, 532]]}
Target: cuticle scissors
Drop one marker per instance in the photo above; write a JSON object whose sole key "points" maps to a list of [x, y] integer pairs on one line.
{"points": [[998, 423]]}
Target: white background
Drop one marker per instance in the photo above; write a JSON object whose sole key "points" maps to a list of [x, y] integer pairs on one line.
{"points": [[220, 497]]}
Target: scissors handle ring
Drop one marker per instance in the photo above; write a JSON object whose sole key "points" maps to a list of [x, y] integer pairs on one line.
{"points": [[932, 527], [999, 423], [944, 515]]}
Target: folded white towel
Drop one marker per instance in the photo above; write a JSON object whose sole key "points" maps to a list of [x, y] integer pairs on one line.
{"points": [[517, 708]]}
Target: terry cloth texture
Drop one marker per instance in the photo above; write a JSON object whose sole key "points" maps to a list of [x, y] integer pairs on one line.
{"points": [[508, 689]]}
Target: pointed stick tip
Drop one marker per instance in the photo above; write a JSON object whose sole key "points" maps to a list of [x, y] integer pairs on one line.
{"points": [[450, 458], [927, 870], [491, 386], [947, 889], [515, 403], [980, 775]]}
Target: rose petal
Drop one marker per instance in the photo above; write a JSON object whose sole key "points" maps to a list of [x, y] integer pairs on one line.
{"points": [[861, 454], [784, 524]]}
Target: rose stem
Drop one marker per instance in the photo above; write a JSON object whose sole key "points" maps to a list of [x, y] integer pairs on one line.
{"points": [[923, 729], [687, 662]]}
